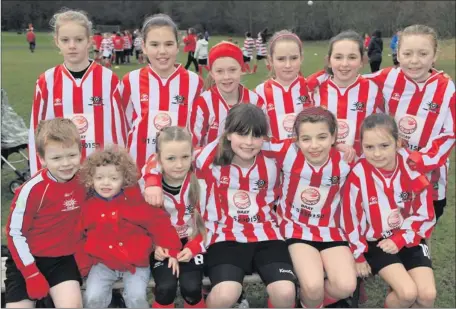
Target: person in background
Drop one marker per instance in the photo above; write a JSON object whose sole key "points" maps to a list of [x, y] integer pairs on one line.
{"points": [[31, 39], [367, 39], [190, 46], [375, 50], [206, 35], [393, 46], [201, 53]]}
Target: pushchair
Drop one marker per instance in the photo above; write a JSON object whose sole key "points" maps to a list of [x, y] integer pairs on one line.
{"points": [[14, 139]]}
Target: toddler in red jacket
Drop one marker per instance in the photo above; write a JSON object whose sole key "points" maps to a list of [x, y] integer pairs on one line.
{"points": [[120, 230]]}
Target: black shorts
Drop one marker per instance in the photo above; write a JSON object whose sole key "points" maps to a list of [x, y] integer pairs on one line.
{"points": [[413, 257], [395, 62], [96, 50], [202, 61], [270, 259], [319, 245], [246, 59], [259, 57], [439, 207], [55, 269], [137, 53]]}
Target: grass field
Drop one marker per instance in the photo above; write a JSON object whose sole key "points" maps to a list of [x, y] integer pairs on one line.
{"points": [[20, 70]]}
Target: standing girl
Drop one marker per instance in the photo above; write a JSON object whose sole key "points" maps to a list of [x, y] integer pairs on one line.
{"points": [[422, 100], [309, 212], [285, 94], [261, 50], [349, 96], [120, 230], [210, 110], [190, 46], [106, 49], [160, 94], [79, 89], [201, 53], [247, 51], [387, 214], [181, 201]]}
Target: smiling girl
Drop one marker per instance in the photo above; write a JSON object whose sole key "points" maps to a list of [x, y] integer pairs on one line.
{"points": [[79, 89], [160, 94]]}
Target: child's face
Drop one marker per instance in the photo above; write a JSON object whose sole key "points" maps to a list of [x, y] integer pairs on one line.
{"points": [[161, 49], [62, 161], [176, 159], [107, 180], [345, 62], [245, 147], [416, 56], [73, 42], [286, 60], [226, 73], [379, 148], [315, 142]]}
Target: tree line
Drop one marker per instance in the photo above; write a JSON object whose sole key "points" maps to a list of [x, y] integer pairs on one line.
{"points": [[322, 20]]}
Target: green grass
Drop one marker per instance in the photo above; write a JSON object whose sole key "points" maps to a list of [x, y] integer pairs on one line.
{"points": [[20, 70]]}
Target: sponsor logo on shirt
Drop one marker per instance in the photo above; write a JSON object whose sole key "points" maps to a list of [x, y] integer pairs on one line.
{"points": [[144, 98], [310, 196], [179, 99], [373, 200], [70, 204], [57, 102], [432, 107], [358, 107], [342, 129], [81, 123], [241, 200], [396, 96], [162, 120], [96, 101], [224, 180]]}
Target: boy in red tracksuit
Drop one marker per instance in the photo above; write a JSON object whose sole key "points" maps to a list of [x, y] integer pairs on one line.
{"points": [[43, 216], [120, 230], [31, 39]]}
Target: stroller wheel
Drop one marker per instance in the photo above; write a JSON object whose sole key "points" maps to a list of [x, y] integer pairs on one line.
{"points": [[14, 185]]}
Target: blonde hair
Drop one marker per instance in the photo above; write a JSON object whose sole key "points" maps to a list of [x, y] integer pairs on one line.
{"points": [[67, 15], [282, 35], [110, 155], [60, 130], [419, 30], [175, 133]]}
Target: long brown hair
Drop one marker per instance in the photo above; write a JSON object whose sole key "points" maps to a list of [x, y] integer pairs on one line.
{"points": [[242, 119], [175, 133]]}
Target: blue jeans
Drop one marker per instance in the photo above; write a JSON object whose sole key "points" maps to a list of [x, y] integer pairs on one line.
{"points": [[98, 292]]}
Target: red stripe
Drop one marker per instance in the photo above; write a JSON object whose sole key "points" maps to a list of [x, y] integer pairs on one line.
{"points": [[374, 210], [142, 130], [184, 85], [228, 230], [269, 99], [215, 101], [98, 109], [363, 96], [296, 169], [57, 92], [263, 173], [399, 87]]}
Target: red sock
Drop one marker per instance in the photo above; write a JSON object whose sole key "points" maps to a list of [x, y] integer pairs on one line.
{"points": [[201, 304], [255, 68], [247, 67], [328, 300], [157, 305]]}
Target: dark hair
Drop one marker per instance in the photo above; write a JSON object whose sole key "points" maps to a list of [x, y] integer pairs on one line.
{"points": [[200, 36], [316, 114], [248, 34], [377, 33], [158, 20], [345, 35], [243, 119], [377, 120]]}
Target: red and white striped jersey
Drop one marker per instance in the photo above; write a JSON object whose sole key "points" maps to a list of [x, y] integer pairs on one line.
{"points": [[425, 114], [350, 105], [375, 207], [138, 43], [93, 103], [281, 105], [309, 205], [261, 49], [249, 46], [107, 45], [127, 42], [241, 201], [152, 103], [209, 112], [317, 78]]}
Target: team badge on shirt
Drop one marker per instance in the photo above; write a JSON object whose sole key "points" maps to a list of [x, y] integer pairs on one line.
{"points": [[334, 180], [179, 99], [261, 184], [405, 197], [302, 100], [358, 107], [432, 107], [96, 101]]}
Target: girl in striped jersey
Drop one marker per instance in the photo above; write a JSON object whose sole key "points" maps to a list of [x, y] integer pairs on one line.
{"points": [[160, 94], [242, 187], [349, 96], [247, 51], [224, 91], [423, 102], [387, 213], [285, 93], [107, 47], [308, 209], [181, 201], [79, 89], [261, 50]]}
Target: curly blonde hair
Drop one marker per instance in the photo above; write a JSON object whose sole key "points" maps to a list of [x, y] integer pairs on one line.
{"points": [[111, 155]]}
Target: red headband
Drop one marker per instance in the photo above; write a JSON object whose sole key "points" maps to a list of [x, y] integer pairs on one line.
{"points": [[225, 49]]}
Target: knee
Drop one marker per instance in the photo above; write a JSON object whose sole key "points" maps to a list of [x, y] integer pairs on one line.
{"points": [[95, 299], [224, 296], [191, 291], [165, 292], [282, 294], [407, 293], [313, 290], [426, 296], [344, 286]]}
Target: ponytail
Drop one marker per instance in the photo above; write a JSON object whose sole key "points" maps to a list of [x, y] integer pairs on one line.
{"points": [[194, 197]]}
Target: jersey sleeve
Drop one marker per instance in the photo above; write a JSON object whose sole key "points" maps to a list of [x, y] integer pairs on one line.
{"points": [[127, 104], [23, 209], [353, 218], [119, 123], [151, 174], [199, 122], [39, 107], [379, 77], [439, 147], [276, 149]]}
